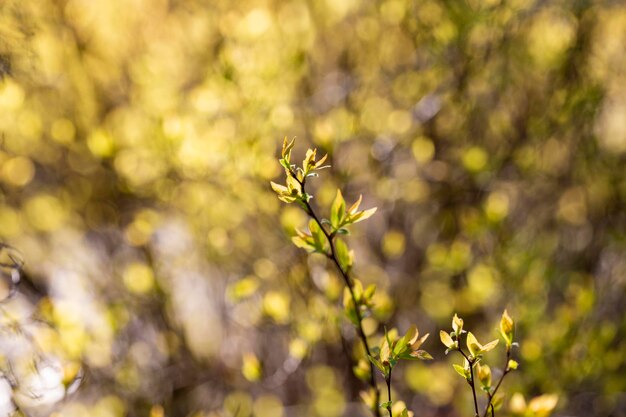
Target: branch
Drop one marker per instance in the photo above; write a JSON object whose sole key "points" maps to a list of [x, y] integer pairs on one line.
{"points": [[348, 282], [492, 394], [471, 381], [388, 381]]}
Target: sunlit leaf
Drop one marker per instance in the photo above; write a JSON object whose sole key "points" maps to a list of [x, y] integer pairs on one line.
{"points": [[421, 354], [362, 215], [287, 147], [507, 328], [457, 325], [484, 375], [459, 370], [337, 210], [446, 339], [474, 347], [354, 207], [344, 255]]}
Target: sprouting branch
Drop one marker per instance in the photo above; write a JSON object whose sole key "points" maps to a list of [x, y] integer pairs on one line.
{"points": [[471, 381], [349, 285], [491, 395]]}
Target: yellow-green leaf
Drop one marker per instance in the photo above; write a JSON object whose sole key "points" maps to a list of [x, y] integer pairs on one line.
{"points": [[309, 160], [357, 289], [303, 243], [337, 211], [385, 351], [446, 339], [344, 255], [421, 354], [507, 328], [318, 235], [473, 345], [369, 291], [293, 186], [416, 345], [319, 163], [489, 346], [287, 146], [362, 215], [279, 189], [484, 375], [457, 324], [354, 207], [459, 370], [411, 335]]}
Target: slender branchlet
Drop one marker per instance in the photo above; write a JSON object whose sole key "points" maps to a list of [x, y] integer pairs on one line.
{"points": [[473, 369], [389, 402], [323, 237]]}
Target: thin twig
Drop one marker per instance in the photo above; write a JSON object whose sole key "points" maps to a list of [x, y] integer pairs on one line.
{"points": [[388, 381], [471, 381], [492, 394]]}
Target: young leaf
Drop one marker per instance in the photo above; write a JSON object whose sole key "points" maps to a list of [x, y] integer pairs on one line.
{"points": [[318, 164], [457, 325], [349, 307], [354, 207], [408, 339], [484, 376], [476, 348], [489, 346], [385, 351], [337, 211], [344, 255], [386, 404], [362, 215], [473, 345], [418, 342], [357, 289], [459, 370], [369, 292], [400, 346], [421, 354], [399, 409], [303, 244], [294, 186], [411, 335], [376, 363], [309, 160], [507, 328], [318, 235], [287, 146], [279, 189], [446, 339]]}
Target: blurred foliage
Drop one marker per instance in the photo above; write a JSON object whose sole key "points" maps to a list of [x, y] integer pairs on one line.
{"points": [[137, 141]]}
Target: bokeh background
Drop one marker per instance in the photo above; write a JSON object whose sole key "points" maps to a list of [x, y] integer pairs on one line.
{"points": [[138, 139]]}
